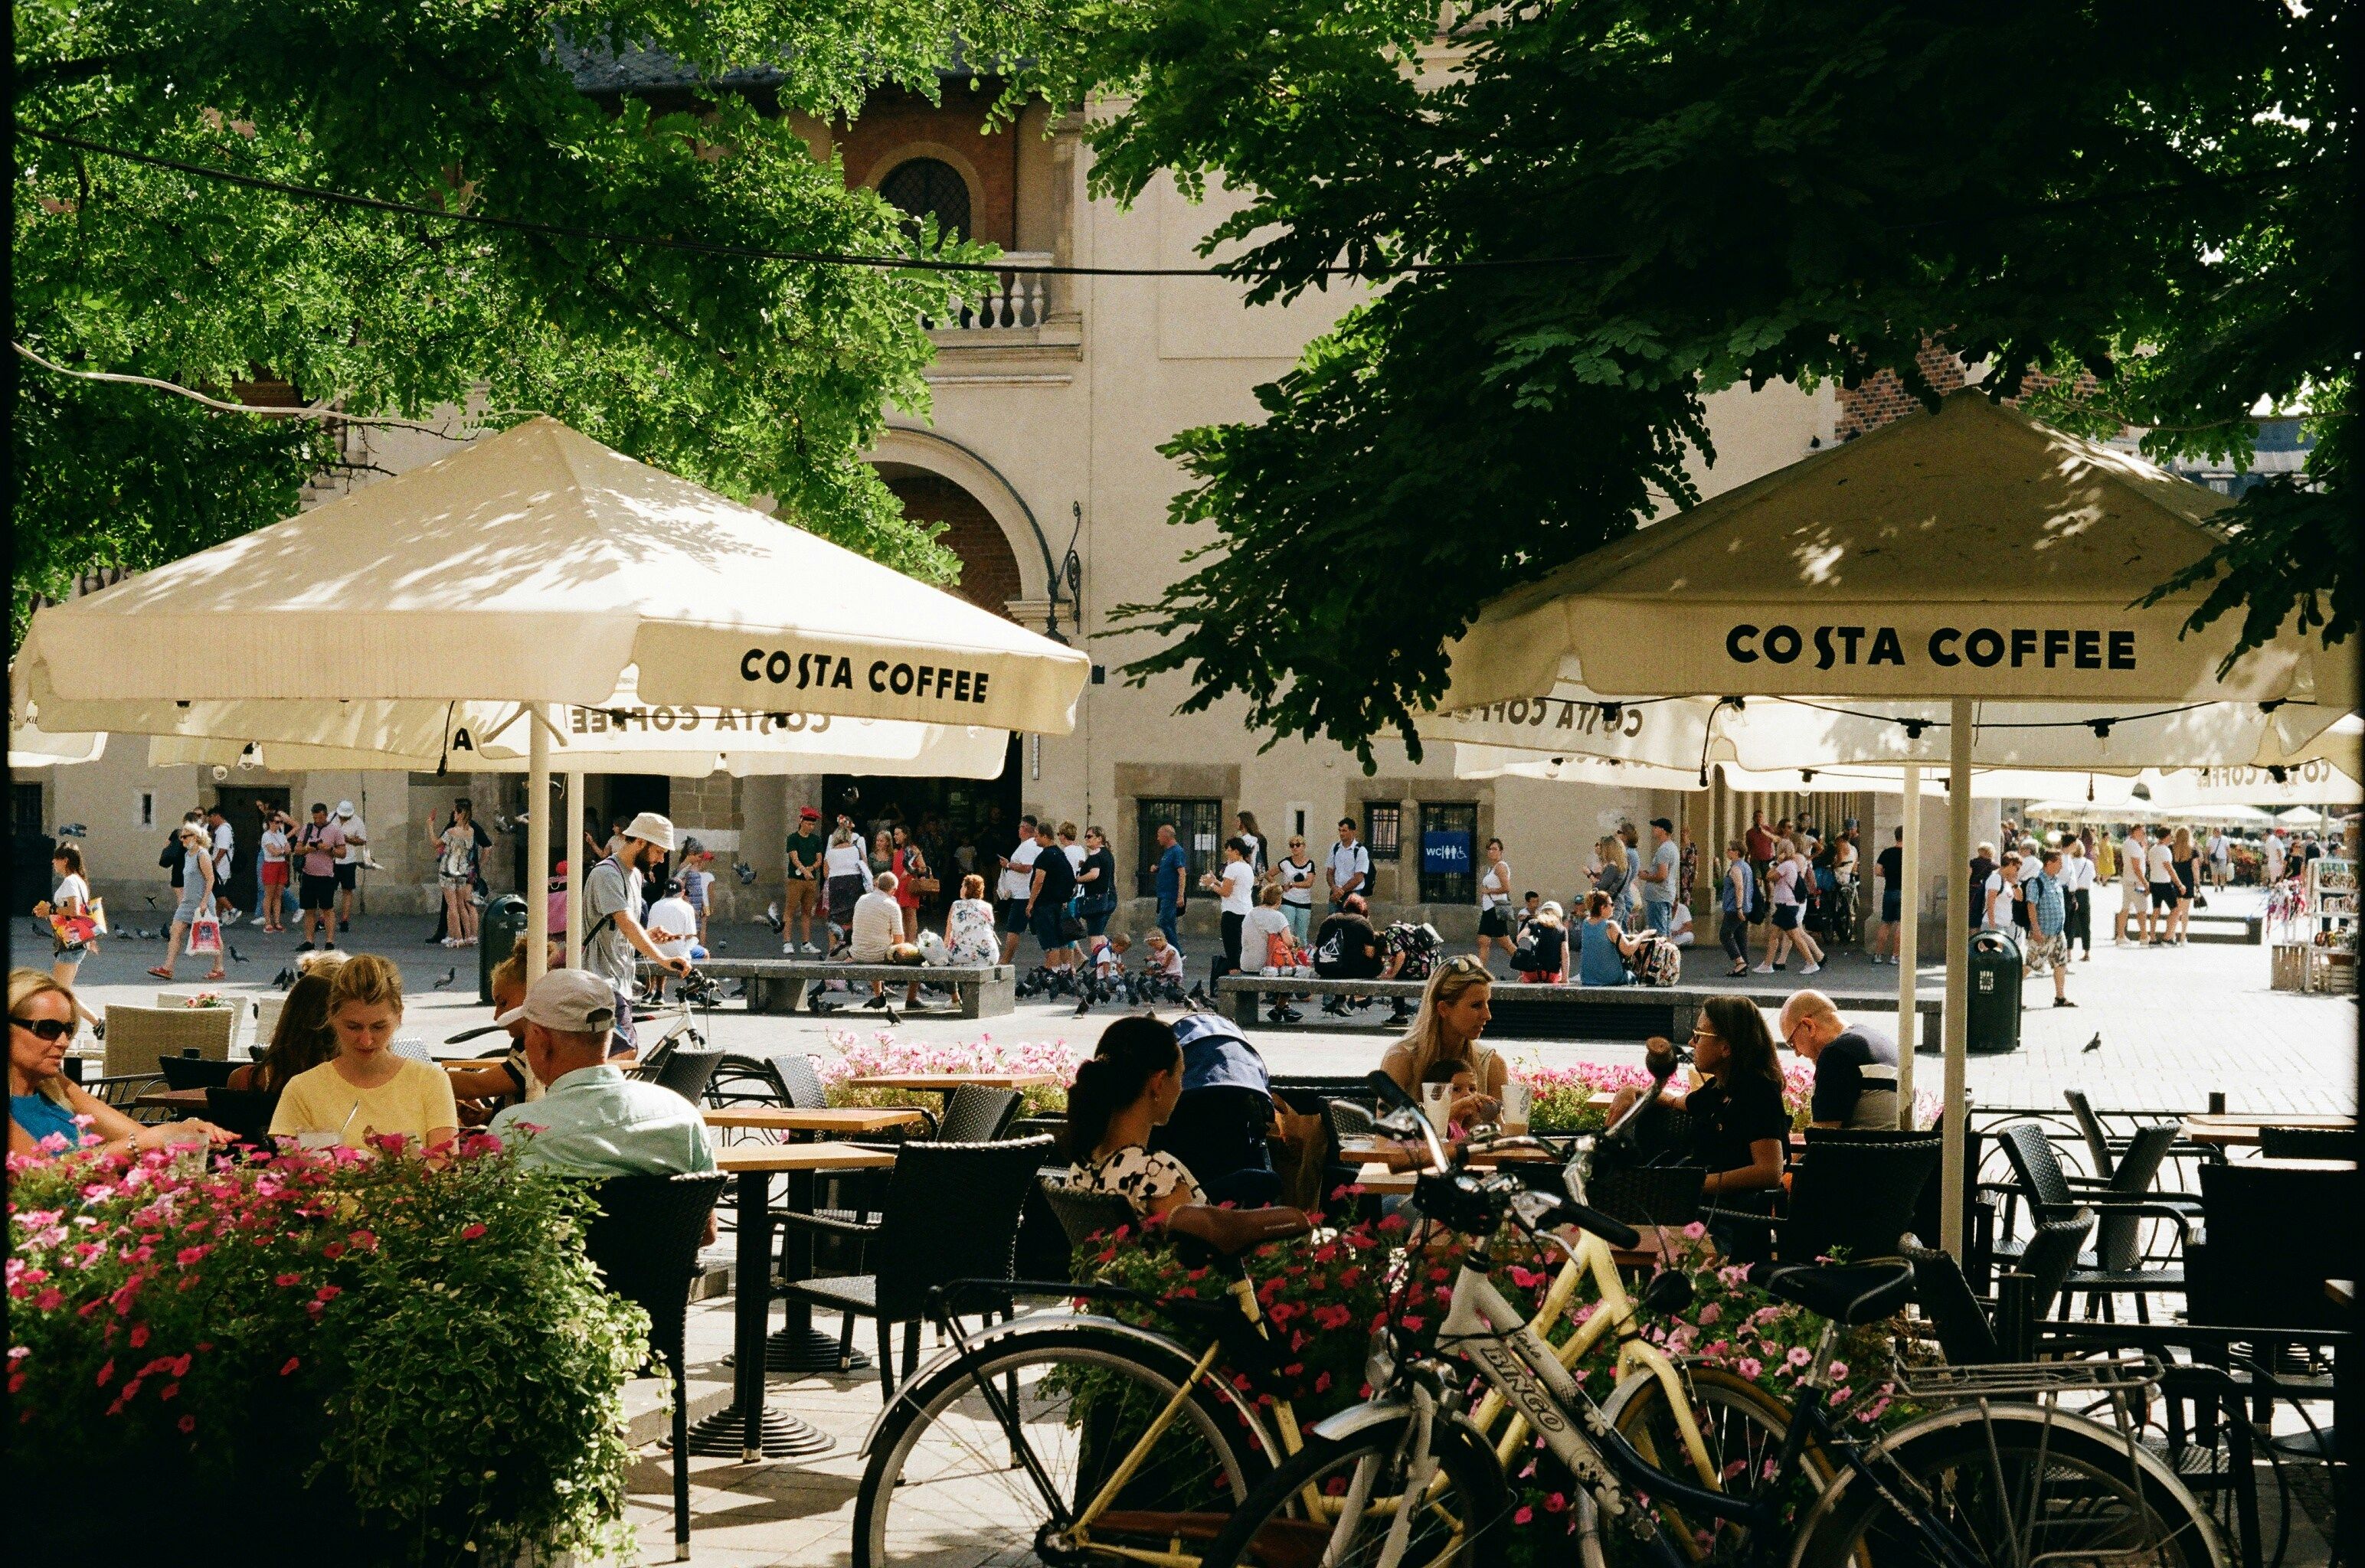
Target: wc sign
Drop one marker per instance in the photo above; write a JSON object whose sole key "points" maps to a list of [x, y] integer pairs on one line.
{"points": [[1445, 852]]}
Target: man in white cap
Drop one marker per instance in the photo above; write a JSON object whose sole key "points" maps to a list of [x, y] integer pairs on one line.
{"points": [[592, 1120], [349, 859], [612, 933]]}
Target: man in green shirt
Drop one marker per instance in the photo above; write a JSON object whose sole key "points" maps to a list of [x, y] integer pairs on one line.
{"points": [[803, 883], [592, 1120]]}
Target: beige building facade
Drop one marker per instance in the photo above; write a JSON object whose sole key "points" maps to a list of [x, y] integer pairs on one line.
{"points": [[1051, 396]]}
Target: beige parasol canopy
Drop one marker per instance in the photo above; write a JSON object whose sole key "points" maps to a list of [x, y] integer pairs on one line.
{"points": [[537, 565], [1970, 553]]}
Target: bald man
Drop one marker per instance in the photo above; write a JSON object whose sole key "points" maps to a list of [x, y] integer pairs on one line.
{"points": [[1855, 1067]]}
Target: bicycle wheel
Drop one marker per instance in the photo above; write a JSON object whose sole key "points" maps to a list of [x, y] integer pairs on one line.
{"points": [[2016, 1489], [944, 1484], [1740, 1429], [1336, 1504]]}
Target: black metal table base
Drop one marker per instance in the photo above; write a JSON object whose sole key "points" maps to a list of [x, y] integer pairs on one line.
{"points": [[724, 1436], [795, 1350]]}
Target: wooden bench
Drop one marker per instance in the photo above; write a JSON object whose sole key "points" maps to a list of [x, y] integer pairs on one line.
{"points": [[1529, 1012], [779, 985]]}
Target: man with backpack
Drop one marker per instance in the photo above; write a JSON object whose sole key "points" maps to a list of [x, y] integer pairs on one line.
{"points": [[2048, 926]]}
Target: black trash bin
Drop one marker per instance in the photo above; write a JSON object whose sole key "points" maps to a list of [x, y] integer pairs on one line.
{"points": [[1992, 1021], [502, 923]]}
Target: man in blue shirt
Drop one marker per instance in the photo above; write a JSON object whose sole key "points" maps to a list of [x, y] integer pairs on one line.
{"points": [[1174, 876], [592, 1120], [2048, 922]]}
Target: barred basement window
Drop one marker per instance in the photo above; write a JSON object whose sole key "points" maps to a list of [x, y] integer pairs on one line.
{"points": [[1384, 829]]}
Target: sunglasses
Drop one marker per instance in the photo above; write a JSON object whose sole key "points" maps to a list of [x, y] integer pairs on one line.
{"points": [[49, 1030]]}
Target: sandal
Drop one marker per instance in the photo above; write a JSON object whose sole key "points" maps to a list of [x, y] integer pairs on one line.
{"points": [[162, 974]]}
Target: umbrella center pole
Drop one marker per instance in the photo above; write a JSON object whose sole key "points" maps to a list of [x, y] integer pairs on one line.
{"points": [[537, 845], [574, 819], [1960, 894], [1908, 941]]}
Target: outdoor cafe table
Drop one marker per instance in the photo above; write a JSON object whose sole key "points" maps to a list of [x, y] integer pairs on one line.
{"points": [[833, 1119], [2225, 1129], [759, 1433]]}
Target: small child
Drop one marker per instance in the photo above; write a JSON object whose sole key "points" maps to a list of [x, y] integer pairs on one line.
{"points": [[1161, 968], [1465, 1096]]}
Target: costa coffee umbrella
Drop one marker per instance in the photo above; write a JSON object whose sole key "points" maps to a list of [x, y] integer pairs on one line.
{"points": [[537, 567], [1942, 579]]}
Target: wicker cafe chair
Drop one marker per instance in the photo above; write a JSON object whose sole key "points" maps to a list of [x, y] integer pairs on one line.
{"points": [[1348, 1120], [122, 1091], [1086, 1214], [2119, 1264], [1858, 1190], [687, 1073], [243, 1113], [951, 1214], [139, 1037], [787, 1079], [978, 1114], [644, 1242]]}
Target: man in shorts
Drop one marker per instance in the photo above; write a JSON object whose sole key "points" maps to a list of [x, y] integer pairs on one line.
{"points": [[1890, 863], [2159, 870], [2048, 926], [316, 845], [801, 894], [2133, 922], [349, 861], [1017, 886]]}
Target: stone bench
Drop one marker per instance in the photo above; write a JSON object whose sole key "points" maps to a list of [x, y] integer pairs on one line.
{"points": [[1524, 1011], [2242, 930], [779, 985]]}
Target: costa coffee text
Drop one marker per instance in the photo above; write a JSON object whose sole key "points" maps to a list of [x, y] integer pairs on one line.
{"points": [[1984, 646], [816, 670]]}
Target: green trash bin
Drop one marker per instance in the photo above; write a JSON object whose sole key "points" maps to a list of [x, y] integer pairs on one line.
{"points": [[497, 932], [1993, 1022]]}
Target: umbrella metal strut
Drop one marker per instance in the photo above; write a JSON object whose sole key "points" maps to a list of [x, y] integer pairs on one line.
{"points": [[1958, 974]]}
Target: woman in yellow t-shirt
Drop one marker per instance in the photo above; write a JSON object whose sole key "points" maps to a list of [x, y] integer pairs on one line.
{"points": [[366, 1089]]}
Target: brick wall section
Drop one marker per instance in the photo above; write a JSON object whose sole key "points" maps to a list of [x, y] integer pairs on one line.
{"points": [[989, 577], [891, 118], [1883, 398], [710, 803]]}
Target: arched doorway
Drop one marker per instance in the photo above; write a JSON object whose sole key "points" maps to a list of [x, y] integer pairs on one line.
{"points": [[989, 577], [928, 187]]}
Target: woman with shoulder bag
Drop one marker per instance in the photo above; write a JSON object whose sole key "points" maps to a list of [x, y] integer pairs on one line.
{"points": [[914, 883], [197, 905], [1096, 884]]}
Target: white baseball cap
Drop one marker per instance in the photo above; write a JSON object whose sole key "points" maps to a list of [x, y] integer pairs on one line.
{"points": [[654, 829], [572, 1002]]}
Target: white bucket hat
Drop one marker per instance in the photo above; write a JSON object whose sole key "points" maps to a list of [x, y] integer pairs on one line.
{"points": [[654, 829]]}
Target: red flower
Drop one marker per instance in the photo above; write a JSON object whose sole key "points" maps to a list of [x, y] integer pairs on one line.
{"points": [[289, 1369], [188, 1255], [333, 1251], [168, 1390], [470, 1233], [286, 1280], [107, 1373], [328, 1293], [188, 1424]]}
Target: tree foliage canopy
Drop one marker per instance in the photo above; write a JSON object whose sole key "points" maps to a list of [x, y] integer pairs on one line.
{"points": [[755, 377], [1666, 197]]}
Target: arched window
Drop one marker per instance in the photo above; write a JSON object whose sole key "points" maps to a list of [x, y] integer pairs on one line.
{"points": [[928, 187]]}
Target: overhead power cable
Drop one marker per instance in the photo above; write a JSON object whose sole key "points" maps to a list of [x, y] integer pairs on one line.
{"points": [[1003, 265]]}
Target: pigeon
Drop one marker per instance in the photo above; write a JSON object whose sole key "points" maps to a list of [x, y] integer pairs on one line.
{"points": [[449, 976], [283, 979], [2093, 1045], [1083, 1006], [151, 900], [723, 947], [772, 918], [746, 877], [73, 830], [235, 955]]}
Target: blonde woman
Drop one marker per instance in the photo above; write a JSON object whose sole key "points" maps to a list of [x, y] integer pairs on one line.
{"points": [[366, 1088], [1612, 873], [43, 1101], [196, 897], [2184, 857], [1454, 1015]]}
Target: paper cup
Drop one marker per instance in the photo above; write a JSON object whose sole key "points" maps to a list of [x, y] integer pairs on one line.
{"points": [[1437, 1104], [1517, 1098], [318, 1139]]}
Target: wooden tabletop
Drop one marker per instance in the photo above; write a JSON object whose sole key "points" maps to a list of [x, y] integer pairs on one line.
{"points": [[738, 1159], [1396, 1157], [2232, 1127], [173, 1100], [836, 1119], [947, 1081]]}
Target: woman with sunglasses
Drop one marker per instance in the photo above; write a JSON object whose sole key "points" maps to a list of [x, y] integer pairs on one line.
{"points": [[42, 1100], [1741, 1129], [1453, 1013]]}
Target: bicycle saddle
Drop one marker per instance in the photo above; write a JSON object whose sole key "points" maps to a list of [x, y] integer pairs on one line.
{"points": [[1848, 1293], [1233, 1231]]}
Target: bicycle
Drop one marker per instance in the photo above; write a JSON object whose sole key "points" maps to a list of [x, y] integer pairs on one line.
{"points": [[1407, 1481], [1115, 1443]]}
